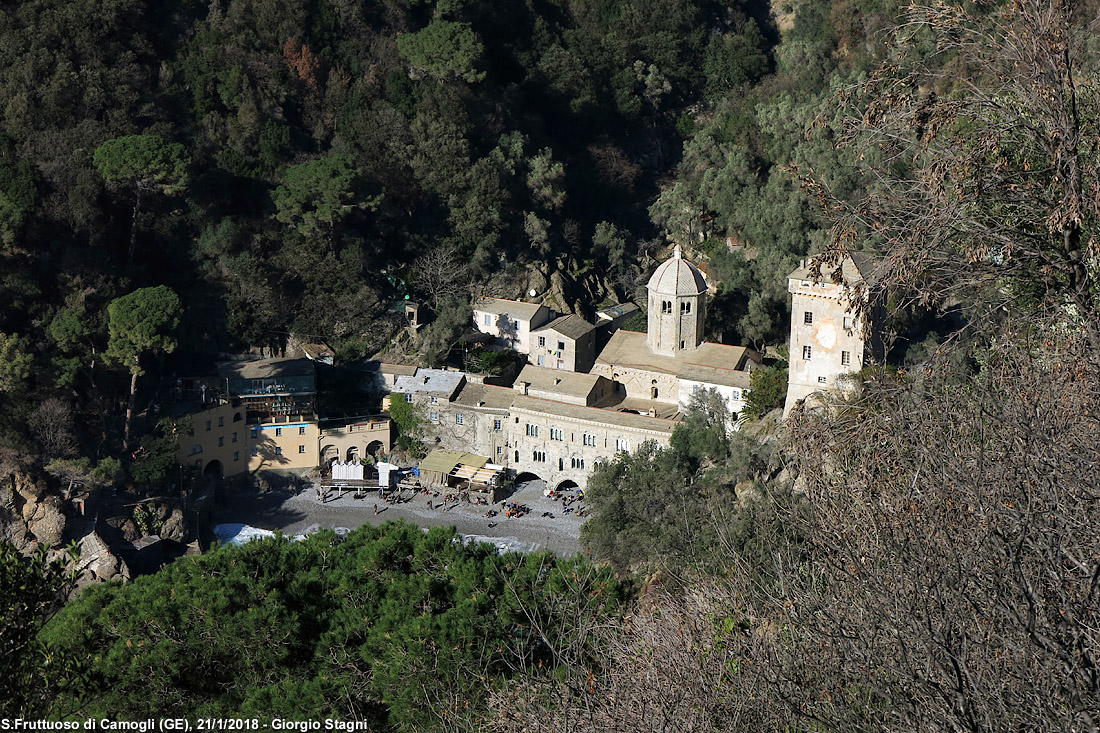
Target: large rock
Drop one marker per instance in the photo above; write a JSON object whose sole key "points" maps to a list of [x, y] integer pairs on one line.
{"points": [[174, 528], [48, 522]]}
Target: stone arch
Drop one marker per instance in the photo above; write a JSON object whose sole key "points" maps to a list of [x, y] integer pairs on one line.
{"points": [[237, 417], [213, 469], [375, 447], [527, 476], [352, 453], [329, 453], [567, 485]]}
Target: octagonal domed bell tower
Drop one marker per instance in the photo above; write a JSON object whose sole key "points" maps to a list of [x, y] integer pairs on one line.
{"points": [[677, 300]]}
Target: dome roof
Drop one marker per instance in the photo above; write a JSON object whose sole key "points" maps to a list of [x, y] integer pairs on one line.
{"points": [[677, 276]]}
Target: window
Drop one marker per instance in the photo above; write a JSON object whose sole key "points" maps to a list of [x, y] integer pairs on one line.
{"points": [[807, 318], [622, 444], [556, 434], [532, 430], [666, 306], [498, 425], [221, 422], [488, 320], [821, 380], [561, 464], [301, 430], [685, 307], [208, 424], [433, 400], [538, 456], [806, 352], [278, 451], [735, 394], [460, 419], [221, 442], [695, 388], [408, 396], [236, 417], [590, 439], [845, 358], [847, 323], [301, 449], [682, 344], [561, 346], [234, 437], [236, 455], [517, 456], [542, 360], [278, 432], [433, 416], [255, 452], [561, 364], [576, 463], [255, 433], [542, 341], [499, 450]]}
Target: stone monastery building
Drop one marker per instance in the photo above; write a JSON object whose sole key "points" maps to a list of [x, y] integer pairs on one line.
{"points": [[573, 406]]}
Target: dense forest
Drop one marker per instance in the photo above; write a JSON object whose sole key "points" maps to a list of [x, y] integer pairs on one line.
{"points": [[181, 179]]}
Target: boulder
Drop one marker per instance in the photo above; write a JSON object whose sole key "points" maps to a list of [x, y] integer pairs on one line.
{"points": [[48, 522], [174, 527]]}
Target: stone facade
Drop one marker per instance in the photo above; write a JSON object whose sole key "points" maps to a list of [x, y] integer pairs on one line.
{"points": [[828, 338], [510, 321]]}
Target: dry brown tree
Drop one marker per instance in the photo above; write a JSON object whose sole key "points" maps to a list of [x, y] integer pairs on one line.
{"points": [[981, 136]]}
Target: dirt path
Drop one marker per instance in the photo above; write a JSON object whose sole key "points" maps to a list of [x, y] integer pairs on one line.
{"points": [[303, 513]]}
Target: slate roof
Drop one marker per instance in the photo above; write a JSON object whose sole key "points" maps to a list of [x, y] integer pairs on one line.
{"points": [[571, 326], [515, 309], [629, 349], [485, 395], [541, 379], [593, 414], [677, 276]]}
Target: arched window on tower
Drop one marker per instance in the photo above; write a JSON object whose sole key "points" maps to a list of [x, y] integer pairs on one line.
{"points": [[685, 307]]}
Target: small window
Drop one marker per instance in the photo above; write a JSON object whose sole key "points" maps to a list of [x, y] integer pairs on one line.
{"points": [[236, 455], [590, 439], [735, 394], [695, 388], [408, 396], [278, 432], [221, 422], [234, 437], [847, 323], [542, 341], [808, 317], [561, 346], [221, 442], [208, 424], [433, 416], [807, 352], [685, 307], [236, 417], [532, 430], [682, 345], [845, 358], [460, 419], [517, 456], [255, 433], [499, 450], [433, 400], [821, 380], [542, 360], [622, 444], [498, 425], [301, 449], [301, 430], [561, 464], [255, 452], [278, 451], [488, 320], [556, 434]]}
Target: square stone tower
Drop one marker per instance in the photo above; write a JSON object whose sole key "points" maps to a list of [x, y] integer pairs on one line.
{"points": [[828, 336]]}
